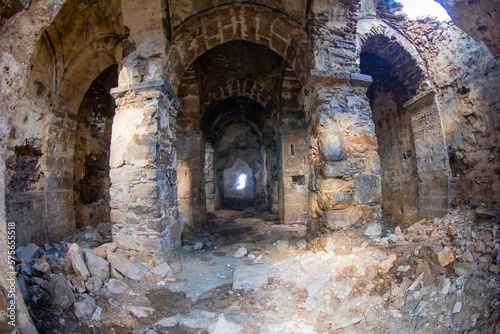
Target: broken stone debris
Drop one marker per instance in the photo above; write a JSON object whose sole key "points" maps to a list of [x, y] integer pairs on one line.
{"points": [[84, 306], [76, 256], [162, 270], [116, 287], [125, 267], [97, 266], [241, 252]]}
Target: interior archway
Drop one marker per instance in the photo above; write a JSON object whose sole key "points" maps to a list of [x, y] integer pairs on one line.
{"points": [[402, 103], [91, 158]]}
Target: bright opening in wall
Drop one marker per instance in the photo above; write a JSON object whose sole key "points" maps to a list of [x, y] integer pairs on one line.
{"points": [[241, 182], [424, 7]]}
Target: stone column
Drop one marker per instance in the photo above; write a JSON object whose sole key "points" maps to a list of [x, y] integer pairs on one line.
{"points": [[295, 177], [210, 178], [432, 156], [143, 170], [191, 179], [344, 186], [58, 151]]}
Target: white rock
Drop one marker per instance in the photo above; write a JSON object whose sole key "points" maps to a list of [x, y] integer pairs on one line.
{"points": [[282, 246], [97, 266], [480, 247], [84, 306], [241, 252], [457, 308], [416, 282], [139, 265], [395, 238], [162, 270], [97, 314], [116, 287], [374, 230], [113, 302], [198, 246], [169, 322], [468, 256], [314, 293], [446, 287], [140, 311], [250, 277], [125, 267], [404, 268], [224, 327], [198, 319], [342, 321], [150, 331]]}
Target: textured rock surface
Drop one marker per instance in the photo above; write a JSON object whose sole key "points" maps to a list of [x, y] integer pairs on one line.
{"points": [[125, 267], [77, 257], [97, 266], [60, 292]]}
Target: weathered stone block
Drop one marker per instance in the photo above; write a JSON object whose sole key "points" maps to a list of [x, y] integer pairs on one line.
{"points": [[367, 189], [125, 174], [342, 168], [335, 200], [144, 190], [332, 146], [333, 185], [337, 219]]}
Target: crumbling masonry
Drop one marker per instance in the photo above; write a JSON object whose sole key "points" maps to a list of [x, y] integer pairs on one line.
{"points": [[145, 113]]}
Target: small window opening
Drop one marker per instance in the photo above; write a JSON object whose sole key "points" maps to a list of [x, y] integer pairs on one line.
{"points": [[241, 182], [298, 180], [292, 150]]}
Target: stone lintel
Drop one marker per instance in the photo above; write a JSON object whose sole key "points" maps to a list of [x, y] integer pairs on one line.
{"points": [[419, 97], [136, 86], [331, 77], [362, 80]]}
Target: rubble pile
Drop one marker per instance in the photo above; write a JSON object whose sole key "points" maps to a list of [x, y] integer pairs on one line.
{"points": [[438, 276]]}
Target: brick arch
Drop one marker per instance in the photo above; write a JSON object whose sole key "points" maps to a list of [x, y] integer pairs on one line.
{"points": [[245, 22], [409, 66], [240, 87]]}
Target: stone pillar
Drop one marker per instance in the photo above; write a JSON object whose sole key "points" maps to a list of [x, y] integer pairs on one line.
{"points": [[295, 177], [210, 178], [432, 156], [191, 180], [58, 151], [143, 196], [344, 186]]}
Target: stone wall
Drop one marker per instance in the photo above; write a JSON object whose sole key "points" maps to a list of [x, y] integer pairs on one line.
{"points": [[294, 177], [465, 76], [398, 164]]}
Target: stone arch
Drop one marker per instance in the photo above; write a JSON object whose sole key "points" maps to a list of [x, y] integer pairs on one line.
{"points": [[240, 87], [400, 48], [412, 148], [82, 71], [59, 134], [220, 25]]}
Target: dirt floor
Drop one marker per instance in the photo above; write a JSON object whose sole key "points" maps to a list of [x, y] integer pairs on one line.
{"points": [[439, 276]]}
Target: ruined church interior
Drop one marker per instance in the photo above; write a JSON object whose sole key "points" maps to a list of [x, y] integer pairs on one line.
{"points": [[264, 166]]}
